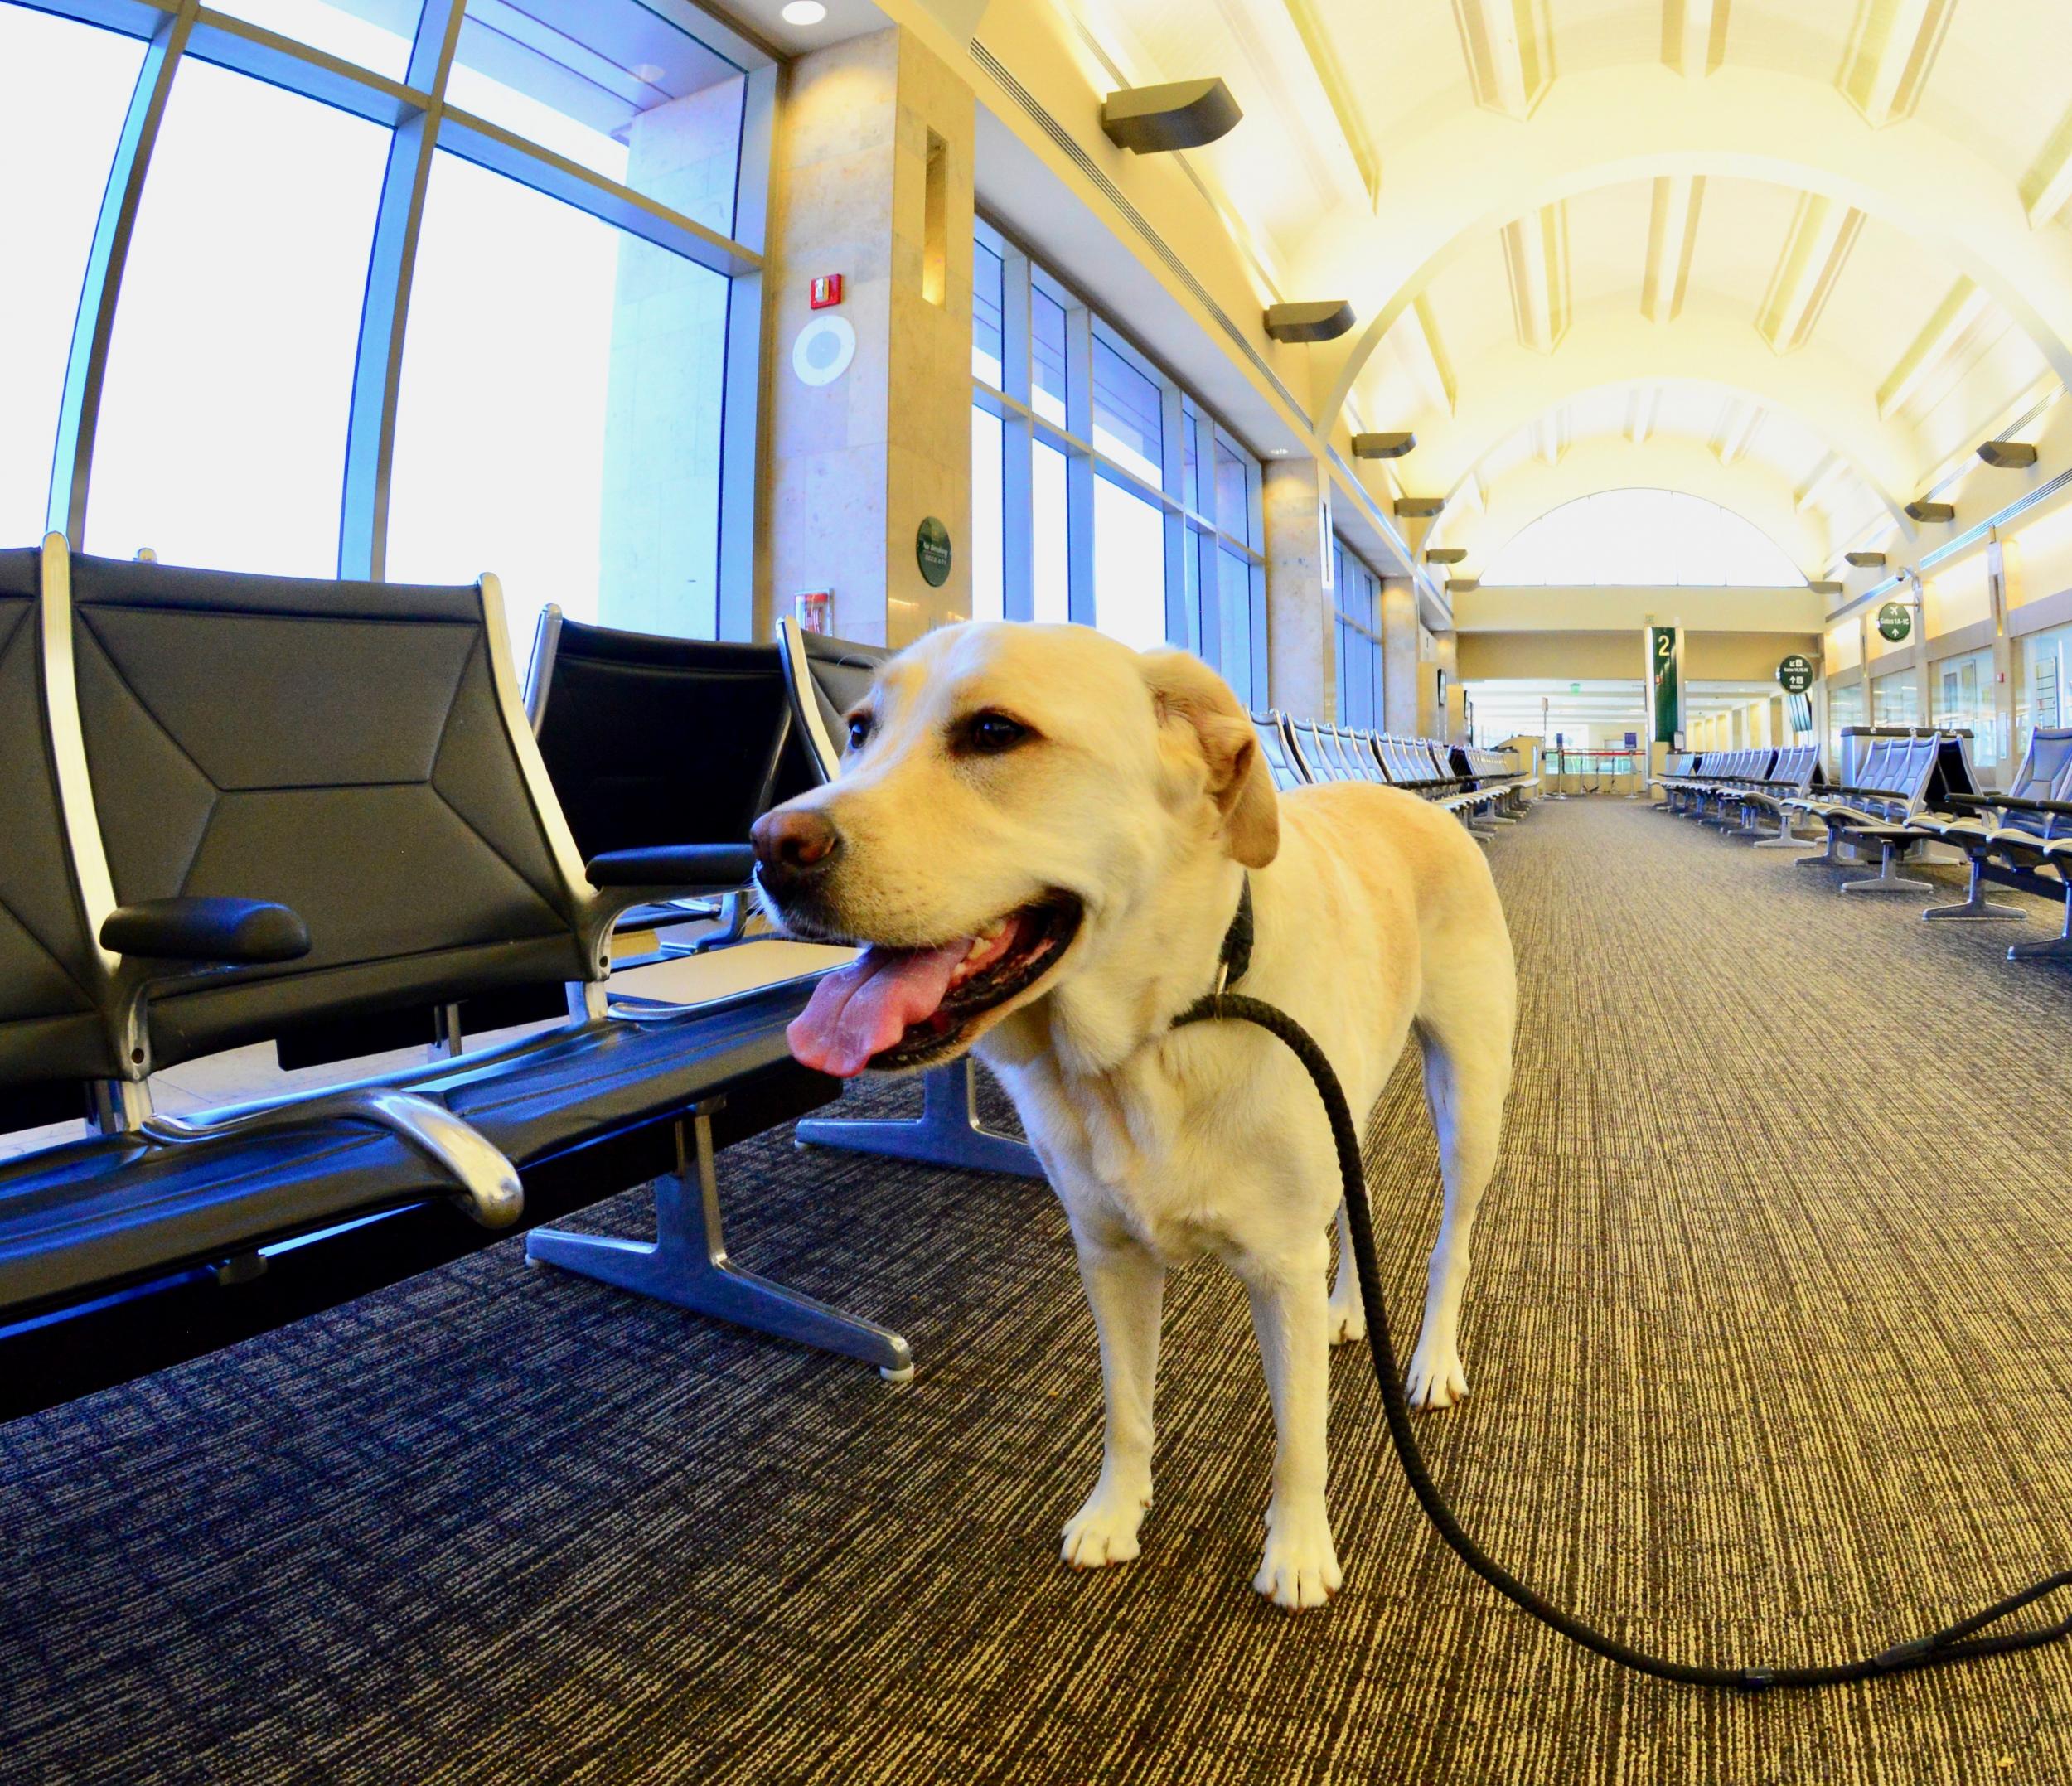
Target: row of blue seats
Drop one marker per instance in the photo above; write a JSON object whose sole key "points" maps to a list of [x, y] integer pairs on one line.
{"points": [[1484, 787]]}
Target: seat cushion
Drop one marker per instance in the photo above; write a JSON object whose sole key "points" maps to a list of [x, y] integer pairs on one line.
{"points": [[96, 1214]]}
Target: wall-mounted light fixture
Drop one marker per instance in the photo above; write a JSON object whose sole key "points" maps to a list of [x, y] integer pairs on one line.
{"points": [[1459, 585], [1931, 512], [1177, 114], [1418, 508], [1320, 320], [1825, 588], [1383, 446], [1445, 555], [1865, 560], [2008, 455]]}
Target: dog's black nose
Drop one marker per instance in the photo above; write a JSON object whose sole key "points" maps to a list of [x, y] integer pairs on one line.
{"points": [[793, 844]]}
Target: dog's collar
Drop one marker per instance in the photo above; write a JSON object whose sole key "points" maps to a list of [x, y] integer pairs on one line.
{"points": [[1235, 955]]}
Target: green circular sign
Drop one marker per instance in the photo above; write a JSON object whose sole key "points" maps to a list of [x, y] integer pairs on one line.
{"points": [[932, 552], [1894, 621], [1795, 674]]}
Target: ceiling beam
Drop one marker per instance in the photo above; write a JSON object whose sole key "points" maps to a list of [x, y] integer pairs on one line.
{"points": [[1644, 407], [1345, 107], [1673, 237], [1735, 433], [1536, 261], [1454, 183], [1508, 47], [1816, 489], [1693, 36], [1953, 319], [1425, 349], [2047, 189], [1892, 47], [1816, 249]]}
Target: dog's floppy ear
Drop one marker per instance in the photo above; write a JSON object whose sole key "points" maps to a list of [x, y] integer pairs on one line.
{"points": [[1187, 693]]}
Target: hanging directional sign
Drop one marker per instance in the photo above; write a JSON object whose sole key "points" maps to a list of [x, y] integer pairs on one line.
{"points": [[1667, 704], [1795, 674], [1894, 621]]}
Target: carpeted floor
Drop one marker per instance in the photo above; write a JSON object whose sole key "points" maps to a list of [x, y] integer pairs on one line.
{"points": [[1769, 1332]]}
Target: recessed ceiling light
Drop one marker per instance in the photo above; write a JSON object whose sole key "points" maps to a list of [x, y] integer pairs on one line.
{"points": [[805, 13], [649, 72]]}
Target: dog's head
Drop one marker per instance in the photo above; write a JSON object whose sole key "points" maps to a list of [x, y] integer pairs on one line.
{"points": [[1008, 795]]}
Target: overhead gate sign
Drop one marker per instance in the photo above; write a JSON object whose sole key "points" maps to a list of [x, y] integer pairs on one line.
{"points": [[1662, 663]]}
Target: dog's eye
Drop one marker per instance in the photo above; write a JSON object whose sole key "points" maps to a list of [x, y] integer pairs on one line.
{"points": [[991, 732], [858, 730]]}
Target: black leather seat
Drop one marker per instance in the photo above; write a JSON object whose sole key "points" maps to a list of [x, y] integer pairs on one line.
{"points": [[357, 755]]}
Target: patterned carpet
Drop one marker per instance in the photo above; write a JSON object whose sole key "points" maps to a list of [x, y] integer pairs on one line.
{"points": [[1768, 1331]]}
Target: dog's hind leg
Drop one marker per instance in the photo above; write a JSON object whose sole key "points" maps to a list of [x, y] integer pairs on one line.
{"points": [[1347, 1319], [1466, 1040], [1125, 1285]]}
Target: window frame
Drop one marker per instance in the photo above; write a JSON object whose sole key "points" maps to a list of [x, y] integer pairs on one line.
{"points": [[414, 110], [1193, 613]]}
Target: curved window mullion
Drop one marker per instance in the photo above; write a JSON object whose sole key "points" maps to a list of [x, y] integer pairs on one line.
{"points": [[377, 371], [86, 364]]}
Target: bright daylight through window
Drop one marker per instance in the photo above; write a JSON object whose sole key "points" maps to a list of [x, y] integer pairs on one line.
{"points": [[1659, 537]]}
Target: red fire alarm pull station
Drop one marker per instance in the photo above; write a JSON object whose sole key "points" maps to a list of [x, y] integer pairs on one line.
{"points": [[827, 290]]}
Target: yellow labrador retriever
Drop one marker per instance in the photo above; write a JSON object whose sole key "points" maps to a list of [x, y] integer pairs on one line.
{"points": [[1043, 838]]}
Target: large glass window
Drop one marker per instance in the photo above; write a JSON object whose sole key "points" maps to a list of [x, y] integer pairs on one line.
{"points": [[1963, 701], [988, 513], [1896, 698], [616, 87], [1161, 543], [1643, 537], [1357, 592], [374, 33], [558, 382], [559, 420], [222, 436], [63, 90], [2045, 697], [1845, 708], [1128, 565]]}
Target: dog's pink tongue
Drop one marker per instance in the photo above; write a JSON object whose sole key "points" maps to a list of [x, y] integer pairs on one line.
{"points": [[863, 1008]]}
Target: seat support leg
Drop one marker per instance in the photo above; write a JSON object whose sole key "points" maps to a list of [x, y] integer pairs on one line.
{"points": [[2057, 948], [686, 1263], [1788, 837], [1977, 907], [1886, 880], [946, 1133]]}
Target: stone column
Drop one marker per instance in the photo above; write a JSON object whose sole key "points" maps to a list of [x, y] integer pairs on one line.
{"points": [[1302, 671], [1399, 657], [872, 181]]}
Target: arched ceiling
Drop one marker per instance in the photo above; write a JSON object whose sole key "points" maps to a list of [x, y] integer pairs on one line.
{"points": [[1826, 240]]}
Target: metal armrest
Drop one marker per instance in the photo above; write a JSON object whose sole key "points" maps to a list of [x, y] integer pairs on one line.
{"points": [[485, 1184]]}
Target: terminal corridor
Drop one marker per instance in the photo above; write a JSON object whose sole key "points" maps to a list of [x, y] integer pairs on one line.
{"points": [[1757, 1377]]}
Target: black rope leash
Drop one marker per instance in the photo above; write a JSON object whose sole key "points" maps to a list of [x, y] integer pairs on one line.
{"points": [[1957, 1642]]}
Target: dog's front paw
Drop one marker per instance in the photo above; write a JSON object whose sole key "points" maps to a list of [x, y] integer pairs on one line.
{"points": [[1104, 1530], [1436, 1378], [1301, 1566], [1347, 1319]]}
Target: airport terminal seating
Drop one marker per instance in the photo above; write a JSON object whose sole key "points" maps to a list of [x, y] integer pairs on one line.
{"points": [[2017, 838], [245, 807], [1483, 788], [1900, 777]]}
